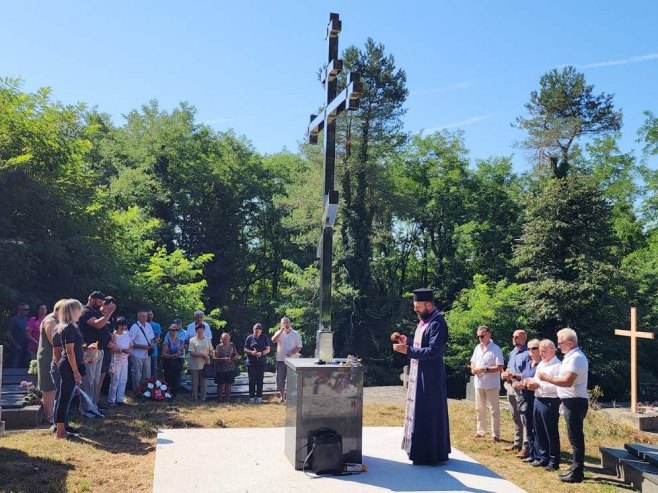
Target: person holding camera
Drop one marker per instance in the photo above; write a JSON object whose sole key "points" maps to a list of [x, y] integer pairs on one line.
{"points": [[143, 340], [95, 331]]}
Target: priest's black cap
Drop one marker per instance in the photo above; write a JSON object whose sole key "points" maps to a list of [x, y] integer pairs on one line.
{"points": [[423, 294]]}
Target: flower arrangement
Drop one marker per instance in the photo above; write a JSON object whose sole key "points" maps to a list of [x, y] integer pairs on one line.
{"points": [[33, 396], [647, 407], [32, 370], [153, 389]]}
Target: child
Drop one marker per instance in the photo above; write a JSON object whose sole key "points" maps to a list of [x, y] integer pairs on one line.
{"points": [[120, 353]]}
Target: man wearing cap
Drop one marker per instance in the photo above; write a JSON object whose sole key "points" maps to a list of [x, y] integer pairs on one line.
{"points": [[426, 427], [93, 326]]}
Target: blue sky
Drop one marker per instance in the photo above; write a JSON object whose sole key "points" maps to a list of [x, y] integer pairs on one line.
{"points": [[251, 65]]}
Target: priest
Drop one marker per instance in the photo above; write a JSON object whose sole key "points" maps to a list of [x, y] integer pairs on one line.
{"points": [[426, 428]]}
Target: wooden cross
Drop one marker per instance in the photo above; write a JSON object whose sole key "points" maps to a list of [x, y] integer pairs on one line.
{"points": [[335, 104], [634, 334]]}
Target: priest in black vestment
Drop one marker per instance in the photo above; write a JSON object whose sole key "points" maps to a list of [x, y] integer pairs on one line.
{"points": [[426, 427]]}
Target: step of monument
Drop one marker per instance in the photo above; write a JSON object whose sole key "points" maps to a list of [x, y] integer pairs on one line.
{"points": [[13, 371], [650, 483], [12, 389], [17, 379], [11, 401], [25, 417], [610, 458], [644, 451], [635, 470], [239, 389]]}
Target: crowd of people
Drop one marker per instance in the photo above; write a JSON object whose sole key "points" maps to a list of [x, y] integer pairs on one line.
{"points": [[539, 387], [81, 345]]}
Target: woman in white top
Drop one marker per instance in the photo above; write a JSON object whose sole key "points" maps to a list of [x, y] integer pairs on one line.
{"points": [[200, 351]]}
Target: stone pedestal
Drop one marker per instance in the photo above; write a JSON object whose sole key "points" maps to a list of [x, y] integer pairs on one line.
{"points": [[319, 397], [2, 423]]}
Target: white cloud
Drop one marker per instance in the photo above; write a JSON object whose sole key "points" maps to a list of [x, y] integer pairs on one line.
{"points": [[634, 59], [461, 123]]}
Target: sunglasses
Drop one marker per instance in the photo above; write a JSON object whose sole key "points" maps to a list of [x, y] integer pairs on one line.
{"points": [[533, 348], [482, 336]]}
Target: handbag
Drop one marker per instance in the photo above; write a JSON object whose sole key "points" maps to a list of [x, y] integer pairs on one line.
{"points": [[209, 370]]}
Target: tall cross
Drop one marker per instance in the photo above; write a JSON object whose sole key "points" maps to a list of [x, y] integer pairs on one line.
{"points": [[634, 334], [335, 104]]}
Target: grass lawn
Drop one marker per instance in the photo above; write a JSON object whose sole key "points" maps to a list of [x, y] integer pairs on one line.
{"points": [[118, 454]]}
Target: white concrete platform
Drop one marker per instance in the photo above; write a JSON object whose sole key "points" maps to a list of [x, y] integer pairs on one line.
{"points": [[253, 460]]}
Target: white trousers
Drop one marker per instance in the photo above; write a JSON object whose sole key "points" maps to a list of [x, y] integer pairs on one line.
{"points": [[489, 398], [119, 379]]}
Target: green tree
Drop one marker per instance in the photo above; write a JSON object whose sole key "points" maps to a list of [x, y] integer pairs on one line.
{"points": [[572, 276], [563, 110]]}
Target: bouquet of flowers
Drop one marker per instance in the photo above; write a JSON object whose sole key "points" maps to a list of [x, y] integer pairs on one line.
{"points": [[153, 389], [33, 396]]}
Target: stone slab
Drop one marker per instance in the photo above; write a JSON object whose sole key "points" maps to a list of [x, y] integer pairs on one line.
{"points": [[25, 417], [650, 483], [644, 451], [253, 460], [634, 471], [239, 389], [639, 421], [610, 458]]}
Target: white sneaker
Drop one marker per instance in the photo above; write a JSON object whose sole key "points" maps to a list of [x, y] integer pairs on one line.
{"points": [[259, 400], [252, 400]]}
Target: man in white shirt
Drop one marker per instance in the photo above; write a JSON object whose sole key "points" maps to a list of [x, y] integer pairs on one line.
{"points": [[546, 414], [571, 386], [191, 328], [142, 338], [486, 364], [288, 344]]}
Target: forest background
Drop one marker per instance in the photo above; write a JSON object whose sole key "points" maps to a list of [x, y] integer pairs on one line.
{"points": [[163, 211]]}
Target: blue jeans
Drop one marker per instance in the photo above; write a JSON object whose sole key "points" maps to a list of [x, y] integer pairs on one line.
{"points": [[546, 418]]}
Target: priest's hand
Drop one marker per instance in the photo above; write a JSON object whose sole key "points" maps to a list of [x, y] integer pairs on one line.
{"points": [[400, 348]]}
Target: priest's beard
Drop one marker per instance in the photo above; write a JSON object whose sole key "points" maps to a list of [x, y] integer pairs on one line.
{"points": [[425, 315]]}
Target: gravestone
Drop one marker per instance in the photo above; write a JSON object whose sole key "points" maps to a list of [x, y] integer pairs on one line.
{"points": [[2, 423], [323, 394]]}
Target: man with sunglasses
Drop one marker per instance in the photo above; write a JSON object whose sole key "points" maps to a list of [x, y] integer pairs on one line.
{"points": [[18, 355], [571, 385], [518, 360], [486, 363]]}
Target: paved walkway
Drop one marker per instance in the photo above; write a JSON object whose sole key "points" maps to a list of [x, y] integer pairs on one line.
{"points": [[253, 460]]}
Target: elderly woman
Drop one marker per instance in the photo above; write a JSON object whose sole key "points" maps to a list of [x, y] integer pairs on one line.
{"points": [[172, 358], [44, 362], [200, 350], [226, 357], [71, 367], [526, 401], [546, 413], [256, 347]]}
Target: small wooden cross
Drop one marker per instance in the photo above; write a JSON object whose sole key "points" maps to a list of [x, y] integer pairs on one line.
{"points": [[634, 334]]}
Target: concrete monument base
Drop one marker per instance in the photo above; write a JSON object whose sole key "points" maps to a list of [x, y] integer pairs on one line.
{"points": [[252, 460]]}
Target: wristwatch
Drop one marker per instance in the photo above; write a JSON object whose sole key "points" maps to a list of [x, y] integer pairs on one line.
{"points": [[486, 369]]}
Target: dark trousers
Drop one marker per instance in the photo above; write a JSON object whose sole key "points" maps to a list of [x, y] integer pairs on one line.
{"points": [[575, 410], [529, 424], [546, 417], [66, 388], [17, 357], [54, 373], [173, 367], [256, 377]]}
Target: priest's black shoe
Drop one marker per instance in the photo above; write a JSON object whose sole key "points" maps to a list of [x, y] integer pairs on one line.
{"points": [[572, 478]]}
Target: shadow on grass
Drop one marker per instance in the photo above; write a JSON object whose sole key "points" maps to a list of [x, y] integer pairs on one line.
{"points": [[133, 429], [21, 472]]}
